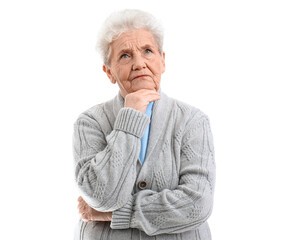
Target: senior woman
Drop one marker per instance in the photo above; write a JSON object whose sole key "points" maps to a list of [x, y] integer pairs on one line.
{"points": [[144, 162]]}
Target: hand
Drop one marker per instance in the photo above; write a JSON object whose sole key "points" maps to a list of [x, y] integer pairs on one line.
{"points": [[89, 214], [140, 99]]}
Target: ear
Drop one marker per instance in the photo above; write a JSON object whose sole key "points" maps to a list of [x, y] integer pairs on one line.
{"points": [[163, 62], [107, 70]]}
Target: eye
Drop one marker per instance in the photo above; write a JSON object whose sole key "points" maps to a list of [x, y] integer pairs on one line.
{"points": [[148, 50], [125, 55]]}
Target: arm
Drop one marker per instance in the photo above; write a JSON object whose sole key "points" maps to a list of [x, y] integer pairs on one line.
{"points": [[106, 167], [187, 206]]}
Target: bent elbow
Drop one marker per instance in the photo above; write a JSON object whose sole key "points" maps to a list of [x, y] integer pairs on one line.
{"points": [[202, 211]]}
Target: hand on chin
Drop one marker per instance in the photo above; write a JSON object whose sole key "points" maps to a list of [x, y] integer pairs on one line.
{"points": [[140, 99]]}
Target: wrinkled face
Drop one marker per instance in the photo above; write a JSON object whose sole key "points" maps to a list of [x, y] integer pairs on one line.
{"points": [[135, 62]]}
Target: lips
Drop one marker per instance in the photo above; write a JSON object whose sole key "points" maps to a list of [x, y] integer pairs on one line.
{"points": [[140, 76]]}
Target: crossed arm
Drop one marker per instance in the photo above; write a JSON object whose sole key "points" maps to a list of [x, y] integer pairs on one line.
{"points": [[138, 101], [171, 211]]}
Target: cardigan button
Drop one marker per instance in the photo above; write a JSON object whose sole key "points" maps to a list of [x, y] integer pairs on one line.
{"points": [[142, 184]]}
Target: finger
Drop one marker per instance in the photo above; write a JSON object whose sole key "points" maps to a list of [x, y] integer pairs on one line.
{"points": [[86, 215], [143, 92], [82, 208], [149, 92], [85, 218], [146, 90], [153, 97], [80, 204]]}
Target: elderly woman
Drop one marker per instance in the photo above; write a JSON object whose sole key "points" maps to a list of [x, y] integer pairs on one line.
{"points": [[144, 162]]}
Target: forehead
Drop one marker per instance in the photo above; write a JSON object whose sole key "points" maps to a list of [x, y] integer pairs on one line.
{"points": [[133, 40]]}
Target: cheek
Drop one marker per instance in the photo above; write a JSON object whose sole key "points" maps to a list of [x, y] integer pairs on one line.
{"points": [[157, 67], [123, 73], [158, 71]]}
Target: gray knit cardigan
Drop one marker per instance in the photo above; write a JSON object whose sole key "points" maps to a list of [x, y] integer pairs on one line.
{"points": [[177, 179]]}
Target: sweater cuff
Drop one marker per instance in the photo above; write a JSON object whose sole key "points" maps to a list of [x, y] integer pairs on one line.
{"points": [[132, 121], [122, 216]]}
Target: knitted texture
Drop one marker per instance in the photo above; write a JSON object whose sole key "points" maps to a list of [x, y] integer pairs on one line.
{"points": [[179, 171]]}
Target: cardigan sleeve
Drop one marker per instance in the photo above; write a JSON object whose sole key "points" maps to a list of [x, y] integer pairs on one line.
{"points": [[188, 205], [105, 167]]}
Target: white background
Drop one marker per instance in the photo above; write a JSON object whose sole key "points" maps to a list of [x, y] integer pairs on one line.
{"points": [[231, 59]]}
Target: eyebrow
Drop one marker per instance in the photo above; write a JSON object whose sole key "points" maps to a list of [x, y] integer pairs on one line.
{"points": [[129, 50], [147, 46], [126, 50]]}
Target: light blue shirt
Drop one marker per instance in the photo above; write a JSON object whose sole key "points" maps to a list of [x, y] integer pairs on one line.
{"points": [[145, 138]]}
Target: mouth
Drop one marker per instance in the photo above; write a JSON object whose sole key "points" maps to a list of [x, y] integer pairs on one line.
{"points": [[140, 76]]}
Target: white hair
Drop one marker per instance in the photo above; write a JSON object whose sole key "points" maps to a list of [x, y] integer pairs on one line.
{"points": [[125, 21]]}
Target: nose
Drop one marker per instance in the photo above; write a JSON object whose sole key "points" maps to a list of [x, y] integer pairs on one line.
{"points": [[138, 63]]}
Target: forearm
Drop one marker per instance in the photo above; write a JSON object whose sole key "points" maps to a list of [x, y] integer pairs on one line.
{"points": [[106, 178], [169, 211], [188, 205]]}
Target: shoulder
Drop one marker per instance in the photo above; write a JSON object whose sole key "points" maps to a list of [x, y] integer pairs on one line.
{"points": [[94, 115], [185, 112], [193, 124]]}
